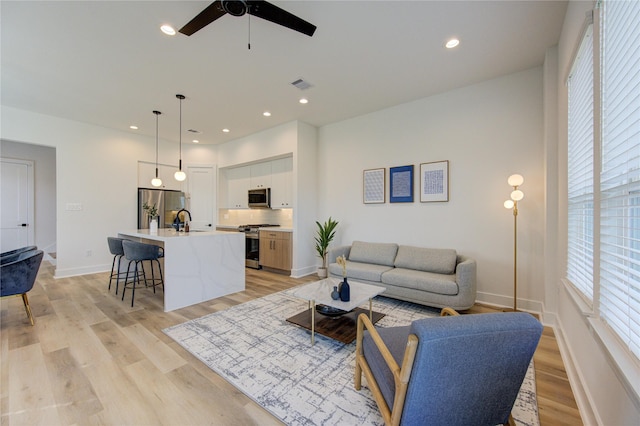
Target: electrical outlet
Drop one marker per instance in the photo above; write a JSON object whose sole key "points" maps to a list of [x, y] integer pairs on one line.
{"points": [[74, 206]]}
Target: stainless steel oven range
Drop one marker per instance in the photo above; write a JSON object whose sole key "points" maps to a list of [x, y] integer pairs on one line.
{"points": [[252, 244]]}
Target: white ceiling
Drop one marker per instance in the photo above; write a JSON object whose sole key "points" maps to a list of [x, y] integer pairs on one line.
{"points": [[107, 63]]}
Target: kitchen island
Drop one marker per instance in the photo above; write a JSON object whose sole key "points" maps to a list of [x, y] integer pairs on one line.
{"points": [[198, 265]]}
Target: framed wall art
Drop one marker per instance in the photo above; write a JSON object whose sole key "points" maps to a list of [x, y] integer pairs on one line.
{"points": [[374, 186], [434, 181], [401, 184]]}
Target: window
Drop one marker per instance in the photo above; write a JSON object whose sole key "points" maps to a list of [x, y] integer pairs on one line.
{"points": [[620, 174], [580, 169], [604, 168]]}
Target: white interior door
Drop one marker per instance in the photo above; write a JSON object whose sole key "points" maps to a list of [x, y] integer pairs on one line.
{"points": [[201, 194], [16, 204]]}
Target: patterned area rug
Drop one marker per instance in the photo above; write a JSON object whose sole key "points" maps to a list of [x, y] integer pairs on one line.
{"points": [[272, 361]]}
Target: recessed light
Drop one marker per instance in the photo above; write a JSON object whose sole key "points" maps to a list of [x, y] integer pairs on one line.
{"points": [[196, 141], [132, 127], [266, 114], [168, 30], [304, 101], [452, 43], [226, 130]]}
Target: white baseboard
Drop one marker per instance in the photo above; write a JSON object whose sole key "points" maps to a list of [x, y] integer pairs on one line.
{"points": [[502, 301], [74, 272]]}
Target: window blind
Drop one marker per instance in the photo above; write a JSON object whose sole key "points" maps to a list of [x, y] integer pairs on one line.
{"points": [[620, 172], [580, 169]]}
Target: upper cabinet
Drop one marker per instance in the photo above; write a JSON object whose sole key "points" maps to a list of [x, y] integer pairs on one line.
{"points": [[238, 183], [147, 171], [282, 183], [261, 175], [276, 174]]}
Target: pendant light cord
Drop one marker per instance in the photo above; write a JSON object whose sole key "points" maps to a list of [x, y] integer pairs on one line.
{"points": [[181, 97], [157, 113]]}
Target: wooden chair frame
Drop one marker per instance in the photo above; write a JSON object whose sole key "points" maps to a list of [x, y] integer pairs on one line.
{"points": [[401, 374]]}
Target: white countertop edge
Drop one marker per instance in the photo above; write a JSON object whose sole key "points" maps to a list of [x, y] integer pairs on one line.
{"points": [[164, 234]]}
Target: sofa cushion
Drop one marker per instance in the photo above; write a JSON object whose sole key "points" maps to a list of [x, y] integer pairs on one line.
{"points": [[420, 280], [441, 261], [377, 253], [360, 271]]}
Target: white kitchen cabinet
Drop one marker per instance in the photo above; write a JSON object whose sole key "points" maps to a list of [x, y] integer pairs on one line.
{"points": [[147, 171], [282, 183], [238, 182], [261, 175]]}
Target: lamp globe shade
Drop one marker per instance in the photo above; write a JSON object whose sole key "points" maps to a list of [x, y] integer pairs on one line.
{"points": [[156, 182], [508, 204], [517, 195], [515, 180], [180, 175]]}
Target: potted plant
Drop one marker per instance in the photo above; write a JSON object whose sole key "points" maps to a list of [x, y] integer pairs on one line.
{"points": [[324, 235]]}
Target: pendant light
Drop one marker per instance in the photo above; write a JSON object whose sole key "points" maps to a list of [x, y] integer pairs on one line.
{"points": [[156, 181], [180, 175]]}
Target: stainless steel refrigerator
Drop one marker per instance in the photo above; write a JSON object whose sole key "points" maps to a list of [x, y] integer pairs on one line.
{"points": [[167, 202]]}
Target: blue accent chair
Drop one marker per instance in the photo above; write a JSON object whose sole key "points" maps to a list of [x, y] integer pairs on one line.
{"points": [[11, 255], [453, 370], [18, 273]]}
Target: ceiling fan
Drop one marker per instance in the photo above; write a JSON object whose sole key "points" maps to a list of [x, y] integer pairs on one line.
{"points": [[258, 8]]}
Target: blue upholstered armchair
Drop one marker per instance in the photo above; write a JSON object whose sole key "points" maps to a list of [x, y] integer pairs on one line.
{"points": [[454, 370], [18, 274]]}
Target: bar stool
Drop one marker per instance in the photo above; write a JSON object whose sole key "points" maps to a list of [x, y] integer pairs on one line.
{"points": [[137, 253], [115, 247]]}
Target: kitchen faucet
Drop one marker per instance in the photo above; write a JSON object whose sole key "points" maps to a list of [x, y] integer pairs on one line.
{"points": [[176, 221]]}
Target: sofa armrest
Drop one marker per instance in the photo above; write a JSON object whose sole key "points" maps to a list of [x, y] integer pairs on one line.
{"points": [[466, 279], [338, 251]]}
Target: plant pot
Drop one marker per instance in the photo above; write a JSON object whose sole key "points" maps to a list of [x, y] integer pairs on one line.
{"points": [[153, 226], [322, 272]]}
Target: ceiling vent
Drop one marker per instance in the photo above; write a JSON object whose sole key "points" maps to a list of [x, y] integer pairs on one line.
{"points": [[301, 84], [197, 132]]}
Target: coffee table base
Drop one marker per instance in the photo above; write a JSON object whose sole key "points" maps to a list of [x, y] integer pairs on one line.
{"points": [[342, 328]]}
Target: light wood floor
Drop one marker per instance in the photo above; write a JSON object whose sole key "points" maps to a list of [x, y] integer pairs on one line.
{"points": [[92, 359]]}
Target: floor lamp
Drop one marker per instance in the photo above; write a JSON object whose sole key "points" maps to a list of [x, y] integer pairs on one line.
{"points": [[516, 195]]}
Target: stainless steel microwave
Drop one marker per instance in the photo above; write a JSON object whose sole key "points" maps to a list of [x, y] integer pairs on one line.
{"points": [[260, 198]]}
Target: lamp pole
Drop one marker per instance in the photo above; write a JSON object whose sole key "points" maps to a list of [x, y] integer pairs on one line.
{"points": [[516, 195]]}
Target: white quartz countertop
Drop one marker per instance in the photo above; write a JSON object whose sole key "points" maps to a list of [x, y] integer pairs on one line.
{"points": [[264, 228], [165, 234]]}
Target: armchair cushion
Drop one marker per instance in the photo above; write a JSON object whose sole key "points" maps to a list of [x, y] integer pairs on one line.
{"points": [[395, 338]]}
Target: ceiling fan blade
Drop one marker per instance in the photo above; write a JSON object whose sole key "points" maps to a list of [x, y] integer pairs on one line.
{"points": [[204, 18], [270, 12]]}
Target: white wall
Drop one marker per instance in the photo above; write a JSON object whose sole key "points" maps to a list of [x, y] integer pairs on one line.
{"points": [[97, 167], [487, 131], [44, 164], [597, 379]]}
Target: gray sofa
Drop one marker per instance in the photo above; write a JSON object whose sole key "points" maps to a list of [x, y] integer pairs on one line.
{"points": [[432, 277]]}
